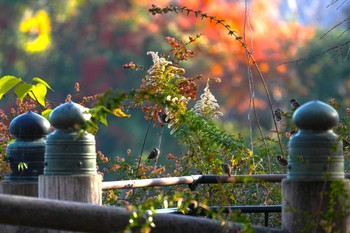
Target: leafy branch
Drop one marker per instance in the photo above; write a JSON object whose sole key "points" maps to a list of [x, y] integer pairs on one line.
{"points": [[206, 141], [231, 32], [36, 91]]}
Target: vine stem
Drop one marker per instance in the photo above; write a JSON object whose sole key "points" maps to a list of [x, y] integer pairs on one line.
{"points": [[159, 144], [251, 87], [143, 146], [320, 206]]}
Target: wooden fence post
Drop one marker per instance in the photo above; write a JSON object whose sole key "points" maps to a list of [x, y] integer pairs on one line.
{"points": [[70, 159], [315, 192]]}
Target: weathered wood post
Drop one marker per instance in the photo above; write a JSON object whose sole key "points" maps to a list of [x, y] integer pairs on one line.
{"points": [[315, 192], [70, 158], [26, 154]]}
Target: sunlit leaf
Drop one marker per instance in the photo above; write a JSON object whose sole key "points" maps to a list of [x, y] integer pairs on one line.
{"points": [[38, 93], [92, 128], [100, 114], [39, 80], [41, 23], [22, 90], [119, 113], [21, 166], [46, 113], [7, 83]]}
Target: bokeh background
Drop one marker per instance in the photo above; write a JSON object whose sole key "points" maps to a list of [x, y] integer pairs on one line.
{"points": [[302, 48]]}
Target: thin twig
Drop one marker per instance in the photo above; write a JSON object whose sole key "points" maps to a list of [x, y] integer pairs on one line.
{"points": [[252, 88], [143, 146], [341, 34], [334, 1], [159, 144], [336, 47], [335, 26]]}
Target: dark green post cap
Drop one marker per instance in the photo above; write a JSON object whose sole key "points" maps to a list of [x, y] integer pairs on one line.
{"points": [[315, 152], [69, 149], [29, 125], [30, 130], [69, 115], [316, 115]]}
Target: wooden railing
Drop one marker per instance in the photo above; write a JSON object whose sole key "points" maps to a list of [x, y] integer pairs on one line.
{"points": [[198, 179], [207, 179], [84, 217]]}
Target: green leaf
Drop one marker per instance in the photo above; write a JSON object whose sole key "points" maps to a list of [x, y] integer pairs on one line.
{"points": [[22, 90], [38, 93], [100, 114], [21, 166], [7, 83], [46, 113], [39, 80], [92, 128]]}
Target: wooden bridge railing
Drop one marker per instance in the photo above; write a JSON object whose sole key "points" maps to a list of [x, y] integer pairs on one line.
{"points": [[194, 179]]}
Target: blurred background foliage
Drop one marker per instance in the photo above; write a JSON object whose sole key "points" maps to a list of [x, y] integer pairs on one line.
{"points": [[300, 53]]}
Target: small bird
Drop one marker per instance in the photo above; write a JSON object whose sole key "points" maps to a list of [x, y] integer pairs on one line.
{"points": [[199, 172], [278, 114], [293, 131], [282, 161], [294, 104], [194, 185], [154, 153], [226, 168], [163, 118]]}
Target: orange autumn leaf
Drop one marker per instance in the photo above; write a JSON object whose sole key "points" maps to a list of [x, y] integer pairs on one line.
{"points": [[216, 70], [281, 69], [264, 67]]}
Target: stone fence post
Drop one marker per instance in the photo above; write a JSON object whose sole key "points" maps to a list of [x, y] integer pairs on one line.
{"points": [[70, 158], [315, 192], [26, 154], [26, 158]]}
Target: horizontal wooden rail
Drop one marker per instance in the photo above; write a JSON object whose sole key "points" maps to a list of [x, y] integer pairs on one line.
{"points": [[198, 179], [82, 217], [149, 182], [228, 209], [194, 179]]}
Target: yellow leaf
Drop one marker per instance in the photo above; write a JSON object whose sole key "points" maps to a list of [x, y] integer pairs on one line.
{"points": [[46, 113], [38, 93], [7, 83], [119, 113], [39, 80], [250, 153], [22, 90], [40, 23]]}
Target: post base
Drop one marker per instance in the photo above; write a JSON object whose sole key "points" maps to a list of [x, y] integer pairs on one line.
{"points": [[315, 206], [80, 188]]}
